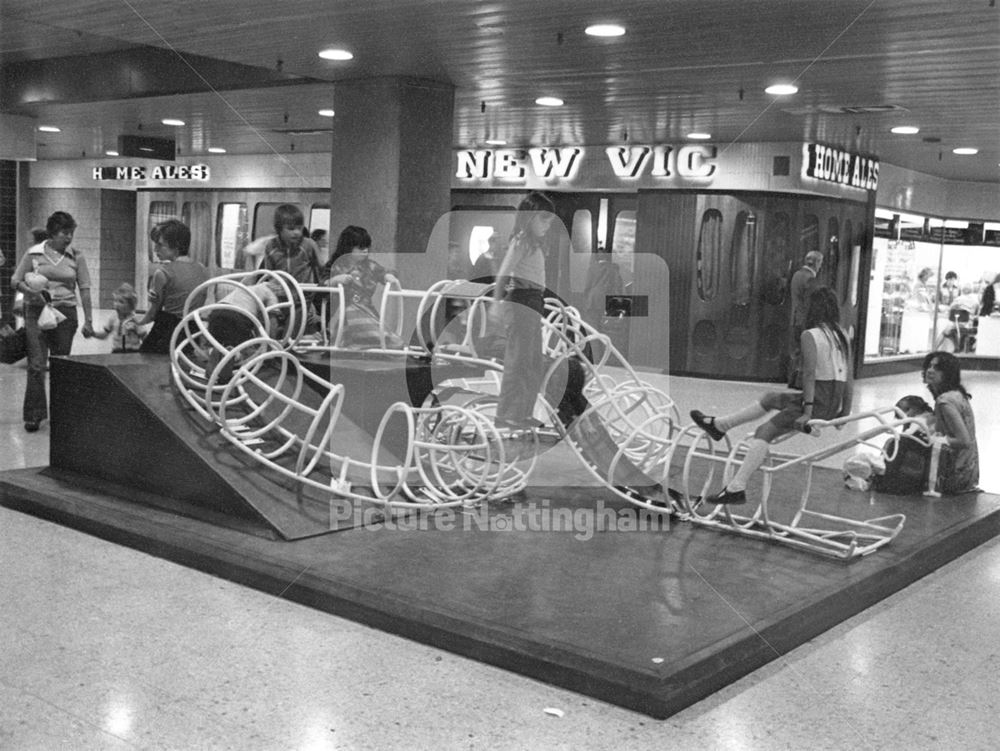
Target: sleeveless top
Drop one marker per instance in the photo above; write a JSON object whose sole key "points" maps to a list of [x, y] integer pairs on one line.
{"points": [[831, 363], [528, 267]]}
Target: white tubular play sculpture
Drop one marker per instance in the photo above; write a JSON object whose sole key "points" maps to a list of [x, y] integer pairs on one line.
{"points": [[825, 533], [453, 456], [624, 431]]}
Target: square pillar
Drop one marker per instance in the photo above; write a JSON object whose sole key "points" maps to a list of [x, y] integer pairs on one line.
{"points": [[391, 162]]}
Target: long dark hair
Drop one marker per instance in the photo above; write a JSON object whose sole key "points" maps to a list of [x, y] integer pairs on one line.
{"points": [[823, 311], [351, 237], [951, 373]]}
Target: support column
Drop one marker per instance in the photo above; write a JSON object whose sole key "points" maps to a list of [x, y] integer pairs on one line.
{"points": [[391, 166]]}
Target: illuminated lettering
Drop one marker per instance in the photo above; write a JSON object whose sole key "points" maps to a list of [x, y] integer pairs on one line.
{"points": [[129, 173], [837, 166], [692, 161], [661, 167], [549, 163], [159, 172], [627, 161], [474, 164], [563, 163], [508, 165]]}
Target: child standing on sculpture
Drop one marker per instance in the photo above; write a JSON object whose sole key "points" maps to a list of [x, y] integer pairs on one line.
{"points": [[827, 393]]}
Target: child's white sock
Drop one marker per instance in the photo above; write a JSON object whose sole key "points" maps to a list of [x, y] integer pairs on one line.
{"points": [[757, 451]]}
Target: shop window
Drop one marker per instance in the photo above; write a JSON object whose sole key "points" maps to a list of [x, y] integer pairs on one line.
{"points": [[479, 241], [198, 217], [319, 219], [623, 244], [231, 236], [743, 258], [831, 257], [708, 255], [968, 268], [263, 219], [902, 297], [778, 259], [582, 231], [851, 252]]}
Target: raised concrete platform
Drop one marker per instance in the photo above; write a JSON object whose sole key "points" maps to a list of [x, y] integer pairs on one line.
{"points": [[652, 620]]}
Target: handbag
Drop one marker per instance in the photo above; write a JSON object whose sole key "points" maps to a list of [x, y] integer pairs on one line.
{"points": [[19, 304], [906, 474], [13, 344], [49, 318]]}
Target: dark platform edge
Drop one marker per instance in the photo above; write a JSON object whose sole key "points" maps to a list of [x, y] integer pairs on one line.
{"points": [[219, 552]]}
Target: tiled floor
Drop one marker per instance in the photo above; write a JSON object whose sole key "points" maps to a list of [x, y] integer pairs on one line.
{"points": [[106, 647]]}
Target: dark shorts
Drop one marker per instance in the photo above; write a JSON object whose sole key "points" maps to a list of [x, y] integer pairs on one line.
{"points": [[231, 327]]}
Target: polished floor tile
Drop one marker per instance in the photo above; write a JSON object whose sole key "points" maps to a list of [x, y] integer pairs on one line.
{"points": [[104, 647]]}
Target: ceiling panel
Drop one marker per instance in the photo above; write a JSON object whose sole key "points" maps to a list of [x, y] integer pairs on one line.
{"points": [[682, 65]]}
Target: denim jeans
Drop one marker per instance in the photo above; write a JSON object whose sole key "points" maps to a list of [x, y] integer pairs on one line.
{"points": [[57, 341]]}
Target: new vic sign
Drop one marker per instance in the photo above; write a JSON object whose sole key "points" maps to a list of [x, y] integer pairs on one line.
{"points": [[564, 164]]}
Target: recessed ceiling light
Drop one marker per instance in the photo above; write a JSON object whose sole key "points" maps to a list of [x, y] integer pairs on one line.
{"points": [[111, 152], [172, 121], [605, 30], [782, 89], [216, 150], [49, 129], [549, 101], [326, 113], [336, 54], [964, 150], [699, 136], [905, 130], [496, 142]]}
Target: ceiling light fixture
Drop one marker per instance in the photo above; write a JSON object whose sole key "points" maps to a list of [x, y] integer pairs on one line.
{"points": [[905, 130], [326, 113], [965, 151], [495, 142], [216, 150], [336, 54], [781, 89], [549, 101], [605, 30], [49, 129], [172, 121], [111, 152], [699, 136]]}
